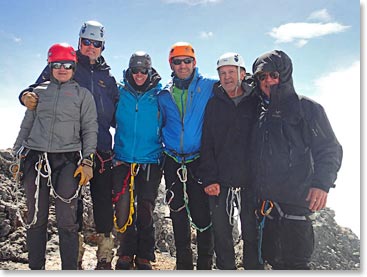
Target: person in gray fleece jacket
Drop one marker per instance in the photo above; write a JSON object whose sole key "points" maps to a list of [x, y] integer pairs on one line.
{"points": [[57, 142]]}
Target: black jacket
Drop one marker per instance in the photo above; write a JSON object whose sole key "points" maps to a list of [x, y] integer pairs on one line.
{"points": [[225, 140], [294, 146]]}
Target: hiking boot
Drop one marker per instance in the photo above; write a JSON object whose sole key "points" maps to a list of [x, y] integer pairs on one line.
{"points": [[143, 264], [125, 263], [103, 265]]}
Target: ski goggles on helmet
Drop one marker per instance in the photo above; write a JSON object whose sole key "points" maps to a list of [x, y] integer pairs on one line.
{"points": [[262, 76], [88, 42], [66, 65], [142, 70], [179, 61]]}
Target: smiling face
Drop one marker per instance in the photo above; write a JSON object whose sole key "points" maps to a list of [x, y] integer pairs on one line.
{"points": [[268, 79], [228, 75], [90, 50], [185, 68]]}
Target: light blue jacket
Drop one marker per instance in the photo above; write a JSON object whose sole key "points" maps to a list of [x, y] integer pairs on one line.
{"points": [[182, 137], [138, 124]]}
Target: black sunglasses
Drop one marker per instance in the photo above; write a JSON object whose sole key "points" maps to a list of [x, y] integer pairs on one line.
{"points": [[66, 65], [96, 43], [142, 70], [262, 76], [179, 61]]}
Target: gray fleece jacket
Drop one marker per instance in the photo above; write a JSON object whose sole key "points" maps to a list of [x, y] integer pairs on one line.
{"points": [[65, 120]]}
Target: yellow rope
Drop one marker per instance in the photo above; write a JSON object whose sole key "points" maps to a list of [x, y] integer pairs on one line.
{"points": [[134, 171]]}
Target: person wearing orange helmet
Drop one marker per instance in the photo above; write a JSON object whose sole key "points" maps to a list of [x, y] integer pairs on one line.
{"points": [[182, 104], [59, 139]]}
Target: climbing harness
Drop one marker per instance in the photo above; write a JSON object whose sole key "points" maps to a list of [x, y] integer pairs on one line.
{"points": [[43, 169], [182, 176], [265, 210], [134, 170], [233, 201], [102, 161]]}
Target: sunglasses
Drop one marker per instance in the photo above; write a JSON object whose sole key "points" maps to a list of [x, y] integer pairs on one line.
{"points": [[142, 70], [66, 65], [179, 61], [262, 76], [88, 42]]}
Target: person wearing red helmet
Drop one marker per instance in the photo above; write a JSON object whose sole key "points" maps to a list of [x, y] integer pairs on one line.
{"points": [[57, 141]]}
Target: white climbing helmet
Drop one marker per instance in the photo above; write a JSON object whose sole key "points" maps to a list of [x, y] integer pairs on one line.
{"points": [[231, 58]]}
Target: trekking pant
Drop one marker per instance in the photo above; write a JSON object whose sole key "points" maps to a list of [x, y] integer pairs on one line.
{"points": [[198, 206], [223, 230], [139, 237], [288, 243], [101, 192], [63, 166]]}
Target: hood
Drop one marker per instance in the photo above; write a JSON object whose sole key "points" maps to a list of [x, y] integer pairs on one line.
{"points": [[283, 95], [154, 79]]}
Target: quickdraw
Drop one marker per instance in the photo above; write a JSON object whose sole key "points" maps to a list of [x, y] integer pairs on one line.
{"points": [[265, 210], [182, 176], [134, 170], [233, 196]]}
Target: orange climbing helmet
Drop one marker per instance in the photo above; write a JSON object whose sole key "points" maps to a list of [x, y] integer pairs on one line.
{"points": [[181, 49]]}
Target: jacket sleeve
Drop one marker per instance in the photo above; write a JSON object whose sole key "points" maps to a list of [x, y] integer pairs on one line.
{"points": [[45, 76], [327, 153], [89, 124], [25, 129], [208, 166]]}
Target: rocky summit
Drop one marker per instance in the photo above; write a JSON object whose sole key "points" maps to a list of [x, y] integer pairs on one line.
{"points": [[336, 247]]}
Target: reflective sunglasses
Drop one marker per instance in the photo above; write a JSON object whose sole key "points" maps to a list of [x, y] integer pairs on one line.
{"points": [[142, 70], [179, 61], [66, 65], [96, 43], [262, 76]]}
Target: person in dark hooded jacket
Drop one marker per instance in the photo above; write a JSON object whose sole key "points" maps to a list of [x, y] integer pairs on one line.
{"points": [[296, 157], [225, 163]]}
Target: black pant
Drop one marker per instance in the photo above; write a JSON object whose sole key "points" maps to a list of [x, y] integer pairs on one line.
{"points": [[101, 192], [199, 209], [224, 245], [139, 237], [287, 243], [63, 166]]}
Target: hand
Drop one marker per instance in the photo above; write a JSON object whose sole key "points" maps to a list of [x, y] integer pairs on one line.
{"points": [[85, 169], [30, 100], [213, 189], [317, 198]]}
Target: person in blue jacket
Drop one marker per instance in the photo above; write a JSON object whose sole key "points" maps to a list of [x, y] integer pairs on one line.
{"points": [[182, 104], [137, 172], [94, 74]]}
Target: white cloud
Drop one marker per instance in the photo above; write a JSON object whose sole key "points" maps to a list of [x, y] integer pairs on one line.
{"points": [[321, 15], [192, 2], [206, 35], [301, 32], [339, 93]]}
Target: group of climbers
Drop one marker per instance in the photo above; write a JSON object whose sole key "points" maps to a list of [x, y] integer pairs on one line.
{"points": [[245, 142]]}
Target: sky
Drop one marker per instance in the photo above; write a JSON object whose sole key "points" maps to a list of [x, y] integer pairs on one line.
{"points": [[322, 37]]}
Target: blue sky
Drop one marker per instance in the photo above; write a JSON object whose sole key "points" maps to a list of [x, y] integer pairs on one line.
{"points": [[321, 36]]}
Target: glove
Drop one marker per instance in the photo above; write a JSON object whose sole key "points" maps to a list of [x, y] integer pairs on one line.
{"points": [[85, 169], [30, 100]]}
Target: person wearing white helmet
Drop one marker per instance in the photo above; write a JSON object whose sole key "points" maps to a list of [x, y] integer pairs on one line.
{"points": [[225, 164], [94, 74]]}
